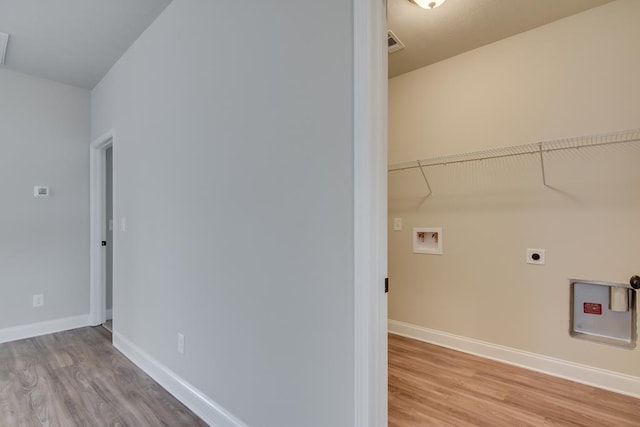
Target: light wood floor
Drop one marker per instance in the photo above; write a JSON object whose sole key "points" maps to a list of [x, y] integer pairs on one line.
{"points": [[430, 385], [77, 378]]}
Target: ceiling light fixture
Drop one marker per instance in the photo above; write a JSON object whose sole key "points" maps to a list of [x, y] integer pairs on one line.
{"points": [[428, 4]]}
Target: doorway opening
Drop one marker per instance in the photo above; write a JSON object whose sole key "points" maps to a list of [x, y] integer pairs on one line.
{"points": [[102, 227], [108, 216]]}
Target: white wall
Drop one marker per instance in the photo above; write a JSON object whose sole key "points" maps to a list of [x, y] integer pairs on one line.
{"points": [[233, 169], [577, 76], [44, 243]]}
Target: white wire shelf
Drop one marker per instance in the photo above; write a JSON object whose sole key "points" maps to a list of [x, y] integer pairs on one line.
{"points": [[538, 148]]}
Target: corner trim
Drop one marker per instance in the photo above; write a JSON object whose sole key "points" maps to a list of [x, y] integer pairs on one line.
{"points": [[596, 377], [210, 411], [31, 330]]}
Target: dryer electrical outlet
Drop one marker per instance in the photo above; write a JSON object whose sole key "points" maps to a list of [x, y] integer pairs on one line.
{"points": [[535, 256]]}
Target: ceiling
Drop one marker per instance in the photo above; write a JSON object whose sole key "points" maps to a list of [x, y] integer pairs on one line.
{"points": [[73, 41], [458, 26], [78, 41]]}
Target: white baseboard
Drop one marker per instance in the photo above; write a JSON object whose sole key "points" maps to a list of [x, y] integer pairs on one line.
{"points": [[43, 328], [211, 412], [608, 380]]}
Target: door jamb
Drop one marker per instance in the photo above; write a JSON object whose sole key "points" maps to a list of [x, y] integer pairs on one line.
{"points": [[370, 212], [97, 183]]}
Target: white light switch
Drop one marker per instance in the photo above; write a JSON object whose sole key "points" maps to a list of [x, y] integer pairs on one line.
{"points": [[397, 224], [181, 343], [123, 224]]}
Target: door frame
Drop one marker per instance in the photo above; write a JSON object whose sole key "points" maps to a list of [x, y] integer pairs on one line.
{"points": [[98, 227], [370, 212]]}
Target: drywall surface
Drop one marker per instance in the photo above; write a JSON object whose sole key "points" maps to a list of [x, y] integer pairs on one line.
{"points": [[577, 76], [233, 170], [44, 242]]}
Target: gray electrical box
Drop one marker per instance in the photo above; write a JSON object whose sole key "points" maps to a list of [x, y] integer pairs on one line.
{"points": [[603, 312]]}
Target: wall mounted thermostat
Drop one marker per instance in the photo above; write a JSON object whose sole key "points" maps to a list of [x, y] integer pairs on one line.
{"points": [[39, 191]]}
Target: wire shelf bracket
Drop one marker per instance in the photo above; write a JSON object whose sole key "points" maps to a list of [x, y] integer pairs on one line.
{"points": [[544, 176], [426, 180]]}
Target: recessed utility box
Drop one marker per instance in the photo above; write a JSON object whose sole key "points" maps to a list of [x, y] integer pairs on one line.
{"points": [[603, 312], [427, 240]]}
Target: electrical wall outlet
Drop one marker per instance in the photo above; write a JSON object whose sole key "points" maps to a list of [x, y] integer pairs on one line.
{"points": [[535, 256], [38, 300], [181, 343]]}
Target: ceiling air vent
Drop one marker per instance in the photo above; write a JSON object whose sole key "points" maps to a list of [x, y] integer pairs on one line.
{"points": [[4, 38], [394, 42]]}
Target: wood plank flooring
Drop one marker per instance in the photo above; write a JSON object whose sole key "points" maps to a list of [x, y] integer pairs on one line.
{"points": [[435, 386], [77, 378]]}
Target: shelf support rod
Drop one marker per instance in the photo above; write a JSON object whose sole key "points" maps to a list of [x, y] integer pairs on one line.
{"points": [[425, 178], [544, 176]]}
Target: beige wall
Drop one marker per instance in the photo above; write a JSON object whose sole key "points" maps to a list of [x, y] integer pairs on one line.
{"points": [[577, 76]]}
